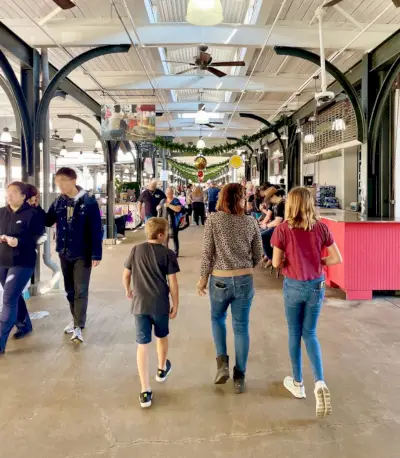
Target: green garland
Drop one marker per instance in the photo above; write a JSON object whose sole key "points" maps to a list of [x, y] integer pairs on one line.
{"points": [[191, 150], [190, 173], [192, 169]]}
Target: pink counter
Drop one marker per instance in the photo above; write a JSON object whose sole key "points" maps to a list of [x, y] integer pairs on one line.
{"points": [[371, 254]]}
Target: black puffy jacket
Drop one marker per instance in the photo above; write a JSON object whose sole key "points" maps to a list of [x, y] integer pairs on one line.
{"points": [[27, 225]]}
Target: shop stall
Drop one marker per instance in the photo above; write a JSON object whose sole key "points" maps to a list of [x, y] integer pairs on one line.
{"points": [[370, 248]]}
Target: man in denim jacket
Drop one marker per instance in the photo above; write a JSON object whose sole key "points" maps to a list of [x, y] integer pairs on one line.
{"points": [[79, 244]]}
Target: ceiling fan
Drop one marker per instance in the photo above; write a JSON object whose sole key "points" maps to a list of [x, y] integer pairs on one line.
{"points": [[64, 4], [58, 138], [201, 118], [203, 61]]}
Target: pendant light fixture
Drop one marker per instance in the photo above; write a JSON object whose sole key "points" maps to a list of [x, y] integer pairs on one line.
{"points": [[98, 145], [204, 12], [78, 137], [339, 124], [63, 151], [6, 136], [284, 137], [200, 144], [309, 138], [201, 117]]}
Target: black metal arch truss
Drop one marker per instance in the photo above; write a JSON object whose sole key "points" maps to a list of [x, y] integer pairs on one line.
{"points": [[339, 76], [62, 74], [10, 95], [379, 108], [21, 104], [268, 124], [89, 126]]}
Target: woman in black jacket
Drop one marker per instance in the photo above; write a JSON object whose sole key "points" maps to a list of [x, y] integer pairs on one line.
{"points": [[20, 228]]}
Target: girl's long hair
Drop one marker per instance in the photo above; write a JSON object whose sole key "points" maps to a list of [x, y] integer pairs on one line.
{"points": [[300, 209], [197, 192]]}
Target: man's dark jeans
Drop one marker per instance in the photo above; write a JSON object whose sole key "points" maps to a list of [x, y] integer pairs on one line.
{"points": [[76, 282], [14, 312], [212, 207]]}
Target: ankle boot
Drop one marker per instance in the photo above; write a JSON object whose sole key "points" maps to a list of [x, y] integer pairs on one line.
{"points": [[238, 381], [222, 370]]}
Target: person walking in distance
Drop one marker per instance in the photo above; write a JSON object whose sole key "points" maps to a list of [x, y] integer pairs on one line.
{"points": [[199, 212], [213, 193], [231, 249], [298, 245], [150, 198], [20, 228], [79, 244], [149, 279], [170, 208]]}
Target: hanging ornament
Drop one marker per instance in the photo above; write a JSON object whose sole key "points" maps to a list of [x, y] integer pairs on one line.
{"points": [[236, 161], [200, 174], [200, 162]]}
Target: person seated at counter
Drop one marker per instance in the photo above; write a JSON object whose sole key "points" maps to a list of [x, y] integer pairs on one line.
{"points": [[276, 198]]}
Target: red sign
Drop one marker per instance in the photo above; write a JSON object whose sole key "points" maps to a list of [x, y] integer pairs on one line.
{"points": [[200, 174]]}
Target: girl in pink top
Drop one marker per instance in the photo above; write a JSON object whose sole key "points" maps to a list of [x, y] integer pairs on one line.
{"points": [[298, 244]]}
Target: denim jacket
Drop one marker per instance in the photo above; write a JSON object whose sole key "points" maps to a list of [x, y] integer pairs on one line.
{"points": [[79, 228]]}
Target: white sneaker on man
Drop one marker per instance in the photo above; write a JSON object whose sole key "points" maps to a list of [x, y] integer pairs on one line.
{"points": [[70, 328], [298, 391], [323, 399], [77, 336]]}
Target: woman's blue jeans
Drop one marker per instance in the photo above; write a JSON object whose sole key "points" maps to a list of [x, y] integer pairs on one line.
{"points": [[303, 302], [14, 312], [238, 292]]}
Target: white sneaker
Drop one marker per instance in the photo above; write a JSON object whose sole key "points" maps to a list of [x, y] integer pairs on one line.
{"points": [[70, 328], [77, 336], [323, 400], [298, 391]]}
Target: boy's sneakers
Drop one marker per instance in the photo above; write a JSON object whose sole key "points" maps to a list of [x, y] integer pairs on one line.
{"points": [[298, 391], [323, 400], [77, 336], [70, 328], [161, 374], [145, 399]]}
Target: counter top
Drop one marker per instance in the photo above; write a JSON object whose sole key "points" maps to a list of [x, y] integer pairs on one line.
{"points": [[345, 216]]}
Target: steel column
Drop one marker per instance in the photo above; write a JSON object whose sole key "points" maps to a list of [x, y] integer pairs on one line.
{"points": [[26, 127], [112, 149], [8, 163], [62, 74]]}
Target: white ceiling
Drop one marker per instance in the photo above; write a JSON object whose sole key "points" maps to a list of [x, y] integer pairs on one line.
{"points": [[159, 30]]}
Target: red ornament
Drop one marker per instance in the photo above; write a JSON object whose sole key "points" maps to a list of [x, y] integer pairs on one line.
{"points": [[200, 174]]}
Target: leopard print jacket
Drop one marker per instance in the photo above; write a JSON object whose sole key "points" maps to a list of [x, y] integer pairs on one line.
{"points": [[230, 242]]}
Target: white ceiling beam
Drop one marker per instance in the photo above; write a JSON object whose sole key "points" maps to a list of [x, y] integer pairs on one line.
{"points": [[94, 32], [272, 83]]}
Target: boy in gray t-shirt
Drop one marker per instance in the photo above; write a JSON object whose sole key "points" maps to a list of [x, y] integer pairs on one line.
{"points": [[149, 279]]}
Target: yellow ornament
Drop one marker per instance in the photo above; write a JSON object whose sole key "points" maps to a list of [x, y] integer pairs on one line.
{"points": [[236, 161], [200, 162]]}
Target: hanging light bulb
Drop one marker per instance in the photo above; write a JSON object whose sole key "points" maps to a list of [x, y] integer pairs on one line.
{"points": [[204, 12], [284, 137], [201, 117], [63, 151], [299, 130], [78, 137], [339, 124], [6, 136], [200, 144], [98, 145], [309, 138]]}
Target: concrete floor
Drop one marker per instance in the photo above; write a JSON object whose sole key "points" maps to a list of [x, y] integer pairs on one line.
{"points": [[60, 400]]}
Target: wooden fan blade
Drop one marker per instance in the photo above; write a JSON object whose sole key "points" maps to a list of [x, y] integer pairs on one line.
{"points": [[209, 125], [396, 3], [159, 113], [184, 71], [216, 72], [331, 3], [178, 62], [64, 4], [239, 63]]}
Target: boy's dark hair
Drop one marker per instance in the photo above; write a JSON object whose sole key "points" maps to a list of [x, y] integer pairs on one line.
{"points": [[67, 172]]}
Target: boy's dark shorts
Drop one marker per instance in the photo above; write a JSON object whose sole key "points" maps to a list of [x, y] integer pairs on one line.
{"points": [[144, 327]]}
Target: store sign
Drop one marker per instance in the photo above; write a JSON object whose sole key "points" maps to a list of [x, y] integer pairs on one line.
{"points": [[128, 122], [164, 175]]}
